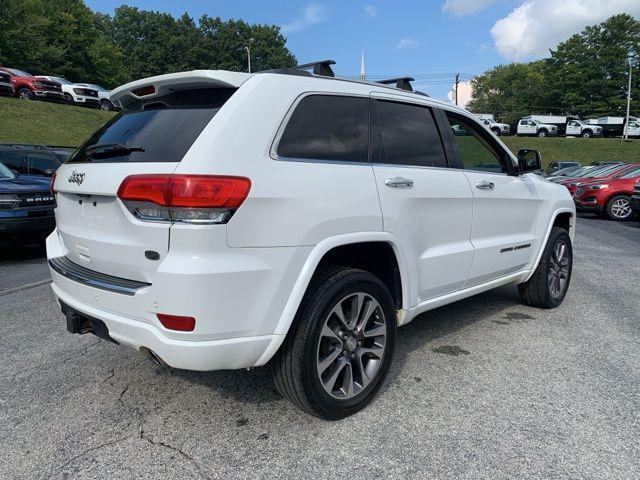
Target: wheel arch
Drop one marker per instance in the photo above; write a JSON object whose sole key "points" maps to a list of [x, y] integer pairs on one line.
{"points": [[338, 248]]}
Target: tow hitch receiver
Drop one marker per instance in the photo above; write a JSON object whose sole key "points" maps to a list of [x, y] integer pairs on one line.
{"points": [[80, 323]]}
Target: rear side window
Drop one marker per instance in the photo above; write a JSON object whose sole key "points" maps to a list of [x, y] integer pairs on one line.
{"points": [[409, 135], [327, 127], [158, 130]]}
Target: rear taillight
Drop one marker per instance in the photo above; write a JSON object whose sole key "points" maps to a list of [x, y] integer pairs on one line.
{"points": [[203, 199], [176, 322], [52, 183]]}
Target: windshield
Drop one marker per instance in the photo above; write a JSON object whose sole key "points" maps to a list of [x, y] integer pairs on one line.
{"points": [[19, 73], [568, 170], [161, 131], [605, 172], [61, 80], [5, 173]]}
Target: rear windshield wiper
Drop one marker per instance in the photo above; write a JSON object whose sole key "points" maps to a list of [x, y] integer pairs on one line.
{"points": [[106, 150]]}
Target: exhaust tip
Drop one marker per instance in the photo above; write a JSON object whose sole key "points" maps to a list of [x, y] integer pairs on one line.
{"points": [[152, 356]]}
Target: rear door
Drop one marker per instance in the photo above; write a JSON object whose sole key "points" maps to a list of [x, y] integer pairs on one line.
{"points": [[505, 205], [425, 204], [98, 230]]}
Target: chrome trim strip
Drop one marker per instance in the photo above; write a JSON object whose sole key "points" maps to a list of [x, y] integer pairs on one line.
{"points": [[77, 273]]}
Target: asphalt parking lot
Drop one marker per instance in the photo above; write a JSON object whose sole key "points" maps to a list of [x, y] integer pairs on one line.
{"points": [[485, 388]]}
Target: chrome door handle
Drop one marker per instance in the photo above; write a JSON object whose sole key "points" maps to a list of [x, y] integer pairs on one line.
{"points": [[485, 185], [398, 182]]}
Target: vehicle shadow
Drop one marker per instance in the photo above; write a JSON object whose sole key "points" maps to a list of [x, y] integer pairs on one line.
{"points": [[423, 333], [21, 252]]}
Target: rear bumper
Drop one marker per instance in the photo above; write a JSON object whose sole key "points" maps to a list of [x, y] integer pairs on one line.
{"points": [[232, 353]]}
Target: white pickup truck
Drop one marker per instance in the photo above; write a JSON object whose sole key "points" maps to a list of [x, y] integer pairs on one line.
{"points": [[578, 128], [495, 127], [534, 127]]}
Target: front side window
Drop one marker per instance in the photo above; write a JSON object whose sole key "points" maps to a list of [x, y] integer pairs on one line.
{"points": [[475, 149], [409, 135], [327, 127], [14, 160], [39, 163]]}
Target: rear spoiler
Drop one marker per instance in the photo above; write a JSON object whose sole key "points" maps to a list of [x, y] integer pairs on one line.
{"points": [[160, 85]]}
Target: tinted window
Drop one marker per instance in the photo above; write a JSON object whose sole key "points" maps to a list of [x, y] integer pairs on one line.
{"points": [[165, 128], [14, 160], [39, 163], [328, 127], [409, 135], [475, 148], [633, 173]]}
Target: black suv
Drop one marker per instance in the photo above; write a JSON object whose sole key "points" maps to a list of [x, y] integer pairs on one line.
{"points": [[29, 159]]}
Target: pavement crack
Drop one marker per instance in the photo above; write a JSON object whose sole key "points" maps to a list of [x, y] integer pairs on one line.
{"points": [[182, 453], [24, 287]]}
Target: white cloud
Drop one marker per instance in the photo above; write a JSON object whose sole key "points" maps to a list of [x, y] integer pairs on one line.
{"points": [[311, 15], [371, 10], [407, 43], [460, 8], [538, 25]]}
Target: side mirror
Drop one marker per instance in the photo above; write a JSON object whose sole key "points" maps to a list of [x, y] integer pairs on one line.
{"points": [[49, 172], [529, 160]]}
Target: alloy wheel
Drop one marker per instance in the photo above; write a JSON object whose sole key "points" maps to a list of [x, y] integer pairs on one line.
{"points": [[558, 274], [621, 209], [351, 346]]}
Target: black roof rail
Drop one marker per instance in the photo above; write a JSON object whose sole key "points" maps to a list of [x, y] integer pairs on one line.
{"points": [[323, 67], [403, 83]]}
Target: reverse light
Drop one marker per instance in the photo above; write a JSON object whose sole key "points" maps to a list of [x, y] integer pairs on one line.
{"points": [[198, 199], [177, 322]]}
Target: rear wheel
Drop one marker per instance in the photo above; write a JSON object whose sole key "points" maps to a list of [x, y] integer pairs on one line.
{"points": [[25, 94], [618, 208], [549, 283], [337, 354]]}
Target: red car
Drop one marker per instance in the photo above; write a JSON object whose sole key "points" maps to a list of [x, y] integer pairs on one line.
{"points": [[28, 87], [611, 196], [598, 173]]}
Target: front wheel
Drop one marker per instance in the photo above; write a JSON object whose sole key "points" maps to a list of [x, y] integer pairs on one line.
{"points": [[496, 131], [68, 99], [542, 133], [618, 208], [548, 285], [106, 105], [586, 134], [25, 94], [339, 349]]}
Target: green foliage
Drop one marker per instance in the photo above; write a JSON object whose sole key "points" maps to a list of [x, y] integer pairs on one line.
{"points": [[65, 38], [586, 75]]}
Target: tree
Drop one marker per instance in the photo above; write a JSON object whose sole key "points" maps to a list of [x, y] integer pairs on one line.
{"points": [[510, 91]]}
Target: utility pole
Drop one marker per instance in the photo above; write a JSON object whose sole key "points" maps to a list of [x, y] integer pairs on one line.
{"points": [[457, 83], [248, 49], [362, 72], [626, 123]]}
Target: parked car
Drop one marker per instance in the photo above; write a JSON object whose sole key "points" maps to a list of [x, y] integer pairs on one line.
{"points": [[26, 207], [29, 160], [28, 87], [611, 197], [603, 173], [6, 87], [578, 128], [634, 202], [606, 162], [554, 167], [103, 95], [497, 128], [76, 94], [264, 222], [617, 126], [569, 173], [527, 126]]}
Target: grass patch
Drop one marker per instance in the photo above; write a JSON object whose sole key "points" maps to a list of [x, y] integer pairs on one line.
{"points": [[583, 150], [47, 123]]}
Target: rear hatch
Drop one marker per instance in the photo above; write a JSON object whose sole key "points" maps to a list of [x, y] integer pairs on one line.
{"points": [[150, 136]]}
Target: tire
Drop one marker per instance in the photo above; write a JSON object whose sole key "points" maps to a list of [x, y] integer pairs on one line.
{"points": [[68, 99], [496, 131], [539, 291], [618, 208], [542, 133], [24, 94], [106, 105], [587, 134], [310, 369]]}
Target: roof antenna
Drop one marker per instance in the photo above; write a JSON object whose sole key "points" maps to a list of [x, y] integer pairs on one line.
{"points": [[362, 72]]}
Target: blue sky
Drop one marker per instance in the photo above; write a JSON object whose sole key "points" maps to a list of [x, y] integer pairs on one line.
{"points": [[428, 39]]}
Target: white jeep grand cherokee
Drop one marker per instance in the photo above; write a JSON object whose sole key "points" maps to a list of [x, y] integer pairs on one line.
{"points": [[223, 220]]}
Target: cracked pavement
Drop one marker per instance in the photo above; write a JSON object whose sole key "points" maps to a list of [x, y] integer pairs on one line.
{"points": [[485, 388]]}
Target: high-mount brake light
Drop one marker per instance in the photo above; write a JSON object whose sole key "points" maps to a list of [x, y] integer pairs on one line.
{"points": [[143, 91], [203, 199]]}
